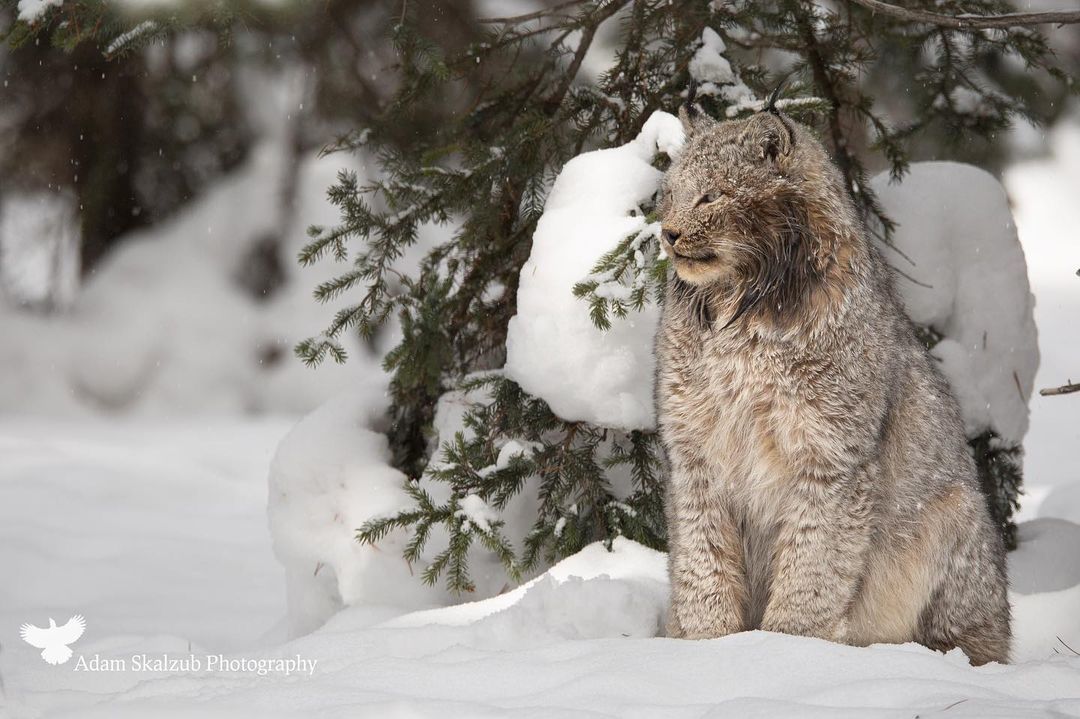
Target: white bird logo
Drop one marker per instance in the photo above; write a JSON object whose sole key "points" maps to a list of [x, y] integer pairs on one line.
{"points": [[53, 639]]}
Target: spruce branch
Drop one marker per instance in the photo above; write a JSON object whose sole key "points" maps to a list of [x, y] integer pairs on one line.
{"points": [[972, 22], [488, 170]]}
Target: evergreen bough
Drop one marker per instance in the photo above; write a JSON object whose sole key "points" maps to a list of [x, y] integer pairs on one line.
{"points": [[571, 462], [955, 72], [486, 174]]}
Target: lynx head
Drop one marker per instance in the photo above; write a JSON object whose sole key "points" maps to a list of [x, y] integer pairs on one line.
{"points": [[754, 206]]}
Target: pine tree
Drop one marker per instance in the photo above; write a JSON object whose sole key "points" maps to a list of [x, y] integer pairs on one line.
{"points": [[881, 83], [488, 168]]}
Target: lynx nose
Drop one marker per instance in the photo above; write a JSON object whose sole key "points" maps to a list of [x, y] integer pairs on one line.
{"points": [[670, 236]]}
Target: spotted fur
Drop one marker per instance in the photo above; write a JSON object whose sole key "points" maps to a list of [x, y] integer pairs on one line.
{"points": [[820, 482]]}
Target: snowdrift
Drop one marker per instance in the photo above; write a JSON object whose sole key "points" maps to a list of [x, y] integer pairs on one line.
{"points": [[582, 639]]}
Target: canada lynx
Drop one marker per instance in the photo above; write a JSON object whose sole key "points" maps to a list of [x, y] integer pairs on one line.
{"points": [[820, 479]]}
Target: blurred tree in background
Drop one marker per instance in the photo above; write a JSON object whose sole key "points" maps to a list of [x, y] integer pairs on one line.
{"points": [[130, 113], [127, 113]]}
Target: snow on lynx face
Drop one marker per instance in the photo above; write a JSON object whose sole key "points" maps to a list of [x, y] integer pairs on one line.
{"points": [[820, 479]]}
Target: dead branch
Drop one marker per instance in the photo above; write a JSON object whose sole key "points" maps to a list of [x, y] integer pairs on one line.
{"points": [[1063, 389]]}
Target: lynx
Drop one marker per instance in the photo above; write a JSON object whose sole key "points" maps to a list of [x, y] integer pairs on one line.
{"points": [[820, 481]]}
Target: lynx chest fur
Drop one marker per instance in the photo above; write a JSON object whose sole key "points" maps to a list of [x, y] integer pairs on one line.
{"points": [[819, 477], [755, 410]]}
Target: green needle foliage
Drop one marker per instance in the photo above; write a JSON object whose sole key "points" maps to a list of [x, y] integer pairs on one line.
{"points": [[573, 464], [626, 278], [522, 112], [517, 103]]}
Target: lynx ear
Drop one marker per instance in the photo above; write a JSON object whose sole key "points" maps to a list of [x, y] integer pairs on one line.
{"points": [[690, 115], [778, 138]]}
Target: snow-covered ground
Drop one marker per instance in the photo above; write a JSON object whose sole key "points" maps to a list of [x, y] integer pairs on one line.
{"points": [[145, 530], [156, 534]]}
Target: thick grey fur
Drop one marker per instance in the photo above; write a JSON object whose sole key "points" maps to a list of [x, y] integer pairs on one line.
{"points": [[820, 481]]}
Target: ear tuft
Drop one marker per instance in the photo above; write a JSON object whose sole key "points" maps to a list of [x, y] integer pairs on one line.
{"points": [[691, 95], [687, 116], [690, 115], [778, 138], [770, 104]]}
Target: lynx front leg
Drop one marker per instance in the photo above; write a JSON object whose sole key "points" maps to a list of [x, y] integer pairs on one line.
{"points": [[705, 563], [818, 559]]}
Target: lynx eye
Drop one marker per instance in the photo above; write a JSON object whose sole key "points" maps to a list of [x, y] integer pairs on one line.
{"points": [[708, 197]]}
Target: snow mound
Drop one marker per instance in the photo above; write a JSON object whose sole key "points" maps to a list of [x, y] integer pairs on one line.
{"points": [[957, 243], [1047, 558], [1062, 501], [162, 326], [630, 575], [552, 348], [31, 10], [716, 76], [331, 474]]}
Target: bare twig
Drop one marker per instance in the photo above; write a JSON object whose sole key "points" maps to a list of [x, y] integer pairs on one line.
{"points": [[908, 277], [958, 702], [515, 19], [1068, 647], [587, 35], [1016, 379], [820, 70], [973, 22], [1063, 389]]}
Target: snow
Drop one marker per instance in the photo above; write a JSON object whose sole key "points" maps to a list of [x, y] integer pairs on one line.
{"points": [[715, 75], [131, 492], [121, 40], [475, 511], [1044, 575], [965, 101], [154, 533], [1036, 566], [329, 476], [553, 349], [957, 242], [153, 530], [709, 64], [1043, 192], [628, 562], [31, 10], [39, 240], [161, 328], [513, 448], [1062, 500]]}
